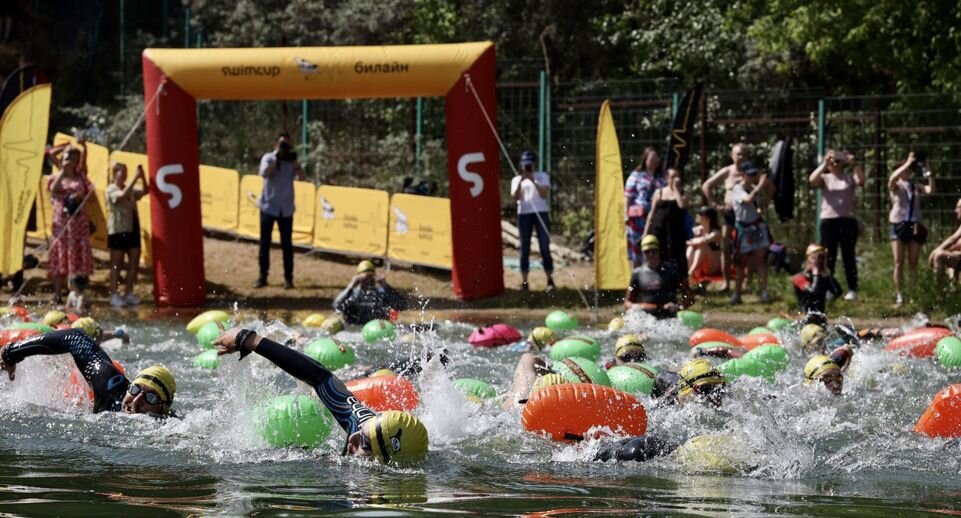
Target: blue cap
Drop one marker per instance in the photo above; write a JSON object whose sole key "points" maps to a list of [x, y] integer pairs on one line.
{"points": [[528, 158], [749, 168]]}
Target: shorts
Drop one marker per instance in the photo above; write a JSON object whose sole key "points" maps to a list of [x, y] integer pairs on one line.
{"points": [[728, 215], [922, 238], [123, 241], [752, 237]]}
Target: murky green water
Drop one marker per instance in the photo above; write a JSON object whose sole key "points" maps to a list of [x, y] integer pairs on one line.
{"points": [[810, 454]]}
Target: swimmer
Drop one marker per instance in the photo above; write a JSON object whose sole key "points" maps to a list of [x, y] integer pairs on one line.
{"points": [[816, 338], [368, 297], [391, 436], [829, 369], [529, 368], [638, 449], [813, 285], [151, 392], [539, 340], [655, 284], [697, 380], [630, 349], [407, 367]]}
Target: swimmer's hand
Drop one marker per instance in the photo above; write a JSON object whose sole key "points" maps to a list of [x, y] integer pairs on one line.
{"points": [[227, 342], [10, 368]]}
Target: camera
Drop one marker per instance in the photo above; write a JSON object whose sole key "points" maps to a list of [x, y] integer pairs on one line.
{"points": [[286, 153], [840, 156]]}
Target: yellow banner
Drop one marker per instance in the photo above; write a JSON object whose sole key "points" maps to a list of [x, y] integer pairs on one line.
{"points": [[351, 220], [218, 197], [318, 72], [132, 160], [612, 268], [249, 214], [419, 230], [23, 135]]}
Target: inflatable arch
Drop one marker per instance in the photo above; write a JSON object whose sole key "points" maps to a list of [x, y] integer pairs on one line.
{"points": [[181, 76]]}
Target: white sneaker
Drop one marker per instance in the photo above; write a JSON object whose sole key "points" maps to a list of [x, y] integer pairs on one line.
{"points": [[898, 300], [116, 301], [851, 295], [131, 299]]}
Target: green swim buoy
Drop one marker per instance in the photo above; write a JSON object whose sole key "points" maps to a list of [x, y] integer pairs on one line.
{"points": [[778, 323], [761, 362], [690, 319], [293, 421], [475, 389], [633, 378], [581, 370], [333, 353], [210, 332], [378, 330], [560, 321], [43, 328], [760, 331], [948, 351], [207, 360], [579, 346]]}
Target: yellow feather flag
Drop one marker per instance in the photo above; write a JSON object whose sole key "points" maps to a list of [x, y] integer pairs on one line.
{"points": [[612, 269], [23, 134]]}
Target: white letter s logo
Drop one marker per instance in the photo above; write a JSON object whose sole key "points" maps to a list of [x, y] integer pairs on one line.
{"points": [[470, 176], [176, 196]]}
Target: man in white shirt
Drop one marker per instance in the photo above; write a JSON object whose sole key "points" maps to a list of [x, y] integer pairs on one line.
{"points": [[530, 189]]}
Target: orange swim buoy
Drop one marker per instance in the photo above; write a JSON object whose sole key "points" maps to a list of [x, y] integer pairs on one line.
{"points": [[382, 393], [566, 412], [918, 343], [943, 416], [9, 336], [709, 334], [751, 341], [77, 387]]}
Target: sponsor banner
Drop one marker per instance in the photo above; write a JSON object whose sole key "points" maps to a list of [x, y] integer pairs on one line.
{"points": [[351, 220], [318, 72], [419, 230], [304, 195], [612, 269], [218, 197]]}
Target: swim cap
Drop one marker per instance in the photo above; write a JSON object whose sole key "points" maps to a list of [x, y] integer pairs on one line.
{"points": [[630, 348], [159, 379], [88, 326], [547, 380], [365, 266], [333, 325], [812, 337], [650, 242], [397, 437], [53, 318], [814, 248], [699, 373], [542, 337], [818, 366]]}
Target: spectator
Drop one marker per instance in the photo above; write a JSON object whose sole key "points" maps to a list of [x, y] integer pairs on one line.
{"points": [[730, 175], [368, 297], [530, 190], [749, 196], [704, 249], [948, 253], [123, 232], [838, 226], [668, 220], [654, 284], [70, 253], [279, 169], [812, 285], [907, 231], [638, 192]]}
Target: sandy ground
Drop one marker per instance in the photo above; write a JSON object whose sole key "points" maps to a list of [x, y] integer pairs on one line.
{"points": [[231, 269]]}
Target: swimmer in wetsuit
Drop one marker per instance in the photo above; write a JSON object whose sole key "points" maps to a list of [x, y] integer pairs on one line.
{"points": [[655, 284], [390, 436], [829, 369], [815, 282], [151, 392], [368, 297]]}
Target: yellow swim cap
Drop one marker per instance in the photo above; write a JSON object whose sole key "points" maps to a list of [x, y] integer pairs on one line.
{"points": [[54, 318], [812, 335], [542, 337], [630, 347], [818, 366], [365, 266], [699, 373], [159, 379], [383, 372], [88, 326], [547, 380], [333, 325], [650, 242], [397, 437], [616, 324]]}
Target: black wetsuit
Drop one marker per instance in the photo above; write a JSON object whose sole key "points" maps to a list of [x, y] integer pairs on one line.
{"points": [[408, 366], [638, 449], [361, 304], [109, 385], [349, 412], [655, 287], [812, 294]]}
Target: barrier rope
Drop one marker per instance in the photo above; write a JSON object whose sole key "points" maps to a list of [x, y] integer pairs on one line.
{"points": [[45, 247]]}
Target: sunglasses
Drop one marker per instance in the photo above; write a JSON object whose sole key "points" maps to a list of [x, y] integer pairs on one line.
{"points": [[651, 251], [151, 397]]}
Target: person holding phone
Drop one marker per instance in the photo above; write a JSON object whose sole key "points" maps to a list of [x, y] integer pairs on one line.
{"points": [[838, 177], [123, 232], [530, 189], [279, 169], [907, 231]]}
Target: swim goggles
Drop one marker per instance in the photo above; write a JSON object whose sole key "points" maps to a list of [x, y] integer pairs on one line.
{"points": [[151, 397]]}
